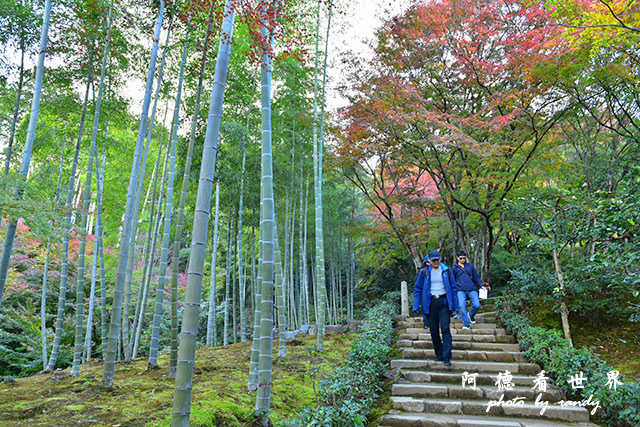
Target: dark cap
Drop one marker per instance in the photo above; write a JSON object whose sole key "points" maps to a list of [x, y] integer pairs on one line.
{"points": [[461, 253], [434, 254]]}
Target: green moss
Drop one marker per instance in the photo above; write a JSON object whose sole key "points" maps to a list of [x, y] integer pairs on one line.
{"points": [[141, 397]]}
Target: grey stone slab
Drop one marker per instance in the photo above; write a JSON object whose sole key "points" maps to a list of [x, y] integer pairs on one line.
{"points": [[552, 412], [418, 390], [407, 404], [443, 406], [487, 423]]}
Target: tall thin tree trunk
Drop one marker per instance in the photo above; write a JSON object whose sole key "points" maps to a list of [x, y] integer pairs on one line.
{"points": [[43, 302], [162, 277], [77, 357], [100, 243], [267, 230], [92, 294], [65, 244], [243, 323], [212, 339], [157, 311], [16, 110], [152, 231], [227, 284], [279, 288], [116, 312], [173, 359], [152, 239], [126, 334], [28, 147], [186, 352]]}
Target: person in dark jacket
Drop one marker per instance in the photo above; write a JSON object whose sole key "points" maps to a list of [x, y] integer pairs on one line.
{"points": [[468, 281], [435, 291], [422, 271]]}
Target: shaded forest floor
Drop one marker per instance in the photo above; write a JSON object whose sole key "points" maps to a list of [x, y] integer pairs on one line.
{"points": [[144, 398]]}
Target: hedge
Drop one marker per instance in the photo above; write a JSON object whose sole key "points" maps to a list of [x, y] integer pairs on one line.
{"points": [[347, 394], [560, 361]]}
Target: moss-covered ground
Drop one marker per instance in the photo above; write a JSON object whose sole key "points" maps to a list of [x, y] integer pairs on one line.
{"points": [[144, 398]]}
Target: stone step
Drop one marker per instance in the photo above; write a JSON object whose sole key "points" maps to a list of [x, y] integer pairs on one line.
{"points": [[413, 419], [416, 322], [472, 367], [508, 339], [461, 345], [484, 314], [483, 378], [469, 355], [487, 393], [457, 329], [469, 407]]}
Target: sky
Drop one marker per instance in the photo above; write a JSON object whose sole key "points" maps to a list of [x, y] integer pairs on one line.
{"points": [[354, 31]]}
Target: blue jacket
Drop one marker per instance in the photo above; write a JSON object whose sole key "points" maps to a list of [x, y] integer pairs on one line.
{"points": [[467, 278], [422, 289]]}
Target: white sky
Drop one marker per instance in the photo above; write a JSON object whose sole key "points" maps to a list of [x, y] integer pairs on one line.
{"points": [[354, 31]]}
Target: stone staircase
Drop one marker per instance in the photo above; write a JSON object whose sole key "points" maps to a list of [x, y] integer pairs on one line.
{"points": [[428, 393]]}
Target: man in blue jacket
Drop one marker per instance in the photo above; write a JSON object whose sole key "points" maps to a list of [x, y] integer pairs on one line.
{"points": [[435, 290], [468, 281]]}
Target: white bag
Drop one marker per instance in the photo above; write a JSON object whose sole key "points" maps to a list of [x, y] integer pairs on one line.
{"points": [[482, 293]]}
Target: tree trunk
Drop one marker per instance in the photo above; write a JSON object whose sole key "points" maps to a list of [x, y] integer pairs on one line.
{"points": [[267, 231], [116, 312], [126, 335], [77, 357], [243, 322], [212, 339], [28, 147], [65, 244], [159, 297], [173, 359], [16, 110], [186, 352], [564, 310]]}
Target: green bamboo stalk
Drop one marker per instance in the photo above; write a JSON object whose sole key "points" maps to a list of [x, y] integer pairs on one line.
{"points": [[28, 147], [212, 338], [64, 268], [267, 230], [186, 351], [116, 313], [136, 207], [77, 357], [243, 325]]}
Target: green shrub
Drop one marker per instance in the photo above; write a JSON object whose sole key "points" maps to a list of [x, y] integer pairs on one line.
{"points": [[347, 395], [21, 342], [561, 361]]}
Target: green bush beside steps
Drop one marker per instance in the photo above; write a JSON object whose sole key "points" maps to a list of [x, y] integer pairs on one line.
{"points": [[345, 397], [560, 361]]}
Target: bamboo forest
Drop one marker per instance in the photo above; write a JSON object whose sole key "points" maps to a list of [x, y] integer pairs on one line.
{"points": [[320, 213]]}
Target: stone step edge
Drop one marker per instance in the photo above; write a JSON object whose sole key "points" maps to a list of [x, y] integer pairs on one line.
{"points": [[458, 406], [484, 393], [482, 376], [421, 419], [473, 367]]}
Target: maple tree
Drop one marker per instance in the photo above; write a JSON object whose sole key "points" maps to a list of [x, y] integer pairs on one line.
{"points": [[450, 91]]}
